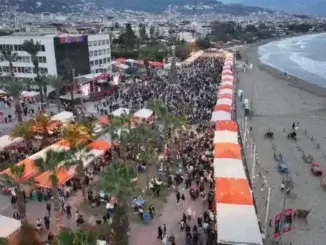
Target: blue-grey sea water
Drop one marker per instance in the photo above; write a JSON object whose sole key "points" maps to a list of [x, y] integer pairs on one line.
{"points": [[303, 57]]}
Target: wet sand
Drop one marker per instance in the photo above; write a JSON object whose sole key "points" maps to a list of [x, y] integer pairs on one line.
{"points": [[278, 101]]}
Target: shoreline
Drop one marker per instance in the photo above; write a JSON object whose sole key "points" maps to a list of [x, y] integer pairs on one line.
{"points": [[250, 55]]}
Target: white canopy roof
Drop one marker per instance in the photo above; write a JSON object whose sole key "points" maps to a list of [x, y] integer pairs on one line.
{"points": [[226, 137], [6, 141], [97, 129], [120, 111], [237, 224], [224, 101], [8, 226], [226, 83], [42, 153], [220, 115], [89, 156], [143, 113], [229, 168], [227, 76], [64, 117], [226, 91]]}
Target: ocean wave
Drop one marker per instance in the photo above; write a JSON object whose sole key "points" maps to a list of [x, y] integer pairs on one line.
{"points": [[312, 66]]}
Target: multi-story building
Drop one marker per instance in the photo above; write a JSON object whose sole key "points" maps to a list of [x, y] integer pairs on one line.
{"points": [[84, 53]]}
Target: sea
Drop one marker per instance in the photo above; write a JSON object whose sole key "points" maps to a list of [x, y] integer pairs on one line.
{"points": [[301, 56]]}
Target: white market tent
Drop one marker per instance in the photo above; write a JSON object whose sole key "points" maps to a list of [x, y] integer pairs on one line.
{"points": [[231, 231], [228, 62], [42, 153], [228, 168], [6, 141], [226, 83], [8, 226], [88, 156], [120, 111], [226, 137], [220, 115], [225, 91], [143, 113], [65, 117], [224, 101]]}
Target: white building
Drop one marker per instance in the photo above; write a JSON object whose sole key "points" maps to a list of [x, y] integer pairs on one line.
{"points": [[87, 54]]}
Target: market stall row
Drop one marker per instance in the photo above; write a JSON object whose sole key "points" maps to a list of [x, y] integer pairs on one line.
{"points": [[236, 217], [95, 150]]}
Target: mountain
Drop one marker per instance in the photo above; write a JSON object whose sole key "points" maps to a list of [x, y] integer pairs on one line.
{"points": [[181, 6], [312, 7]]}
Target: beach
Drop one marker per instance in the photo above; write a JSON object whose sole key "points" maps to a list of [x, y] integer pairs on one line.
{"points": [[278, 101]]}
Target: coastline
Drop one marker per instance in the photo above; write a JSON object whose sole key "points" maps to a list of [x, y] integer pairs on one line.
{"points": [[250, 55]]}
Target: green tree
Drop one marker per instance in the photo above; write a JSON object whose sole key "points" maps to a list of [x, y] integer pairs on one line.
{"points": [[10, 57], [130, 37], [51, 162], [79, 237], [14, 87], [33, 49], [152, 32], [23, 130], [142, 32], [15, 177], [203, 43], [117, 181], [57, 83]]}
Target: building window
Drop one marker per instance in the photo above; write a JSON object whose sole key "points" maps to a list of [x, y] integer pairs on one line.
{"points": [[20, 48], [95, 53], [103, 42], [108, 59], [90, 44], [100, 52], [104, 60], [95, 43], [107, 41], [5, 68], [91, 63], [44, 70], [99, 43], [96, 62], [42, 48], [91, 53], [101, 62], [16, 47]]}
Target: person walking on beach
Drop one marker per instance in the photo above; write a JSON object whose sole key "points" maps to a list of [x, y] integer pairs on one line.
{"points": [[159, 233]]}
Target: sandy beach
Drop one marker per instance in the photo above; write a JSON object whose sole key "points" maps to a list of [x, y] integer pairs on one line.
{"points": [[278, 101]]}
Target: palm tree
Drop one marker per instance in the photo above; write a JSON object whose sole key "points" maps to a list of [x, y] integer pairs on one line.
{"points": [[57, 83], [75, 132], [148, 156], [79, 237], [117, 181], [14, 88], [23, 130], [10, 57], [51, 162], [33, 49], [15, 177]]}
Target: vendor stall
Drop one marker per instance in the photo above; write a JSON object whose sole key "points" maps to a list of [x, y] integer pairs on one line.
{"points": [[88, 156], [9, 228], [227, 150], [224, 102], [99, 144], [228, 168], [220, 115], [120, 111], [226, 91], [226, 137], [226, 108], [7, 141], [65, 117], [226, 125], [143, 115], [43, 180], [30, 169]]}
